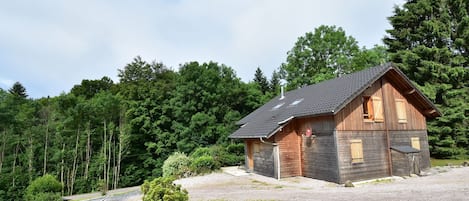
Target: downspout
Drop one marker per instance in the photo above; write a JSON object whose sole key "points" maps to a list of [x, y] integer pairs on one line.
{"points": [[277, 151], [386, 121]]}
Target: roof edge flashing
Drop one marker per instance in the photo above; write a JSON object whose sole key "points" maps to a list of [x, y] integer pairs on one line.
{"points": [[286, 120]]}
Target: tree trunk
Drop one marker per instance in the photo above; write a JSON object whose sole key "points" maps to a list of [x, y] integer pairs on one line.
{"points": [[88, 150], [109, 156], [62, 169], [105, 158], [74, 167], [14, 163], [30, 156], [2, 154], [46, 143]]}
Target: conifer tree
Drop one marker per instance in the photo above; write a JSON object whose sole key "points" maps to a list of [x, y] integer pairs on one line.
{"points": [[429, 43]]}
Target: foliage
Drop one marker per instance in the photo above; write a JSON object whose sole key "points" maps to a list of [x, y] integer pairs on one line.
{"points": [[45, 188], [261, 80], [428, 42], [204, 164], [177, 165], [18, 90], [324, 54], [162, 188]]}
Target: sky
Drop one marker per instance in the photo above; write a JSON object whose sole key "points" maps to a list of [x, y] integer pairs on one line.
{"points": [[51, 45]]}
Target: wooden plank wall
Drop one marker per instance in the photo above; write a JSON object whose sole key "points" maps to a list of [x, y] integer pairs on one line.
{"points": [[351, 116], [375, 155], [263, 158], [403, 138], [289, 142], [319, 155], [415, 119]]}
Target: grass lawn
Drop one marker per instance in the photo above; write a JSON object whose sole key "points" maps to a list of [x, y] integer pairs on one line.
{"points": [[443, 162]]}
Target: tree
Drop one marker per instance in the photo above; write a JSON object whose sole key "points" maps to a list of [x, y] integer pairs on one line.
{"points": [[18, 90], [274, 84], [88, 88], [429, 42], [45, 188], [324, 54], [261, 81]]}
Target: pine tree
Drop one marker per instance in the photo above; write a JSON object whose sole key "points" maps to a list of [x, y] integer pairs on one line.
{"points": [[18, 90], [261, 80], [429, 43]]}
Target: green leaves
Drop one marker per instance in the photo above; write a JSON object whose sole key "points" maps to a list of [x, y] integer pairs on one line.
{"points": [[429, 44], [324, 54]]}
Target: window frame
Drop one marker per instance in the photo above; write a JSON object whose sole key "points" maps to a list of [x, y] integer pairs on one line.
{"points": [[367, 106]]}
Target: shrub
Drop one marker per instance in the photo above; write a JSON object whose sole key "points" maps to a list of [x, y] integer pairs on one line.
{"points": [[237, 149], [204, 164], [177, 165], [162, 188], [201, 151], [45, 188]]}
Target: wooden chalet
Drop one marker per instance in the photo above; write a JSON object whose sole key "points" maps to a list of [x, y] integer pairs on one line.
{"points": [[368, 124]]}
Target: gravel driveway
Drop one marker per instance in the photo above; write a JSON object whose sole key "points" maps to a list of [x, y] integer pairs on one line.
{"points": [[442, 184]]}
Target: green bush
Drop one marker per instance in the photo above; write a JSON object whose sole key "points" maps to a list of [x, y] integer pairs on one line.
{"points": [[204, 164], [162, 188], [201, 151], [177, 165], [45, 188], [236, 149]]}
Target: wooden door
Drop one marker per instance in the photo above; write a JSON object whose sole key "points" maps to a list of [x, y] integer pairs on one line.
{"points": [[250, 151]]}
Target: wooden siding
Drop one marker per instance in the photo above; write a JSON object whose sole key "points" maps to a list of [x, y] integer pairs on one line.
{"points": [[288, 141], [351, 116], [415, 119], [375, 156], [262, 157], [320, 157], [405, 164], [403, 138]]}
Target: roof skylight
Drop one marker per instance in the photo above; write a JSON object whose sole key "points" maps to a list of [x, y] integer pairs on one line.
{"points": [[296, 102], [278, 106]]}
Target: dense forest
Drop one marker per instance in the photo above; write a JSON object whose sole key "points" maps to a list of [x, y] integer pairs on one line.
{"points": [[114, 134]]}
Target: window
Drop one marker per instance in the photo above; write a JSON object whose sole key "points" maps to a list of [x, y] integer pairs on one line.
{"points": [[373, 108], [401, 111], [356, 149], [296, 102], [256, 147], [415, 142], [367, 108], [277, 106]]}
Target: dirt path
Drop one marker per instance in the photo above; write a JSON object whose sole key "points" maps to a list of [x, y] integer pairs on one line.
{"points": [[122, 194], [451, 185]]}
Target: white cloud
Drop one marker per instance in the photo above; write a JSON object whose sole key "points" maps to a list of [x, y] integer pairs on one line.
{"points": [[52, 45]]}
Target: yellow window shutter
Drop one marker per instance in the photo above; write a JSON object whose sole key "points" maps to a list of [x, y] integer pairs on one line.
{"points": [[401, 111], [356, 149], [415, 141], [378, 109]]}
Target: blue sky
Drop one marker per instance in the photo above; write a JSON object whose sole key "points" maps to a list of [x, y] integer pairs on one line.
{"points": [[51, 45]]}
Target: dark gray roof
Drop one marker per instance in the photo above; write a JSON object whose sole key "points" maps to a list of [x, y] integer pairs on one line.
{"points": [[324, 98], [405, 149]]}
